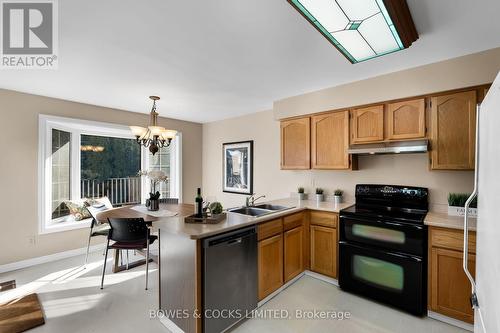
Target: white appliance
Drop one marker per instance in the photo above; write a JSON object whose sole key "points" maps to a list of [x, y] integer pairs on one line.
{"points": [[486, 286]]}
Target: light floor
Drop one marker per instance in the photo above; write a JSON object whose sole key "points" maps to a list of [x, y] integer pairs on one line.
{"points": [[72, 302]]}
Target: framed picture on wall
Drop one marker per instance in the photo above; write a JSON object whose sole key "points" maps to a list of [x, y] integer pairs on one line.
{"points": [[237, 172]]}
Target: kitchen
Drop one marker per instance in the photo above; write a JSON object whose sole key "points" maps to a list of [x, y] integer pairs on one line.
{"points": [[305, 238], [338, 176]]}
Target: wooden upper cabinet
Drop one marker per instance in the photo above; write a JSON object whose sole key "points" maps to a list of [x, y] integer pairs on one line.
{"points": [[367, 124], [295, 144], [453, 130], [406, 120], [330, 140]]}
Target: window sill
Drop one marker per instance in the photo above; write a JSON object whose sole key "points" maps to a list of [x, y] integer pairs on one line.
{"points": [[53, 227]]}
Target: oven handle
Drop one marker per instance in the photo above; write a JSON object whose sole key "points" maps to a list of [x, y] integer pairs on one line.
{"points": [[384, 252], [412, 226]]}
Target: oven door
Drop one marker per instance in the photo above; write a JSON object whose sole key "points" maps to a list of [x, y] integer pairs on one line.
{"points": [[401, 237], [391, 278]]}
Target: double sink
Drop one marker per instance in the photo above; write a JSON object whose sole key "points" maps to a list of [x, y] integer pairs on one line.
{"points": [[259, 210]]}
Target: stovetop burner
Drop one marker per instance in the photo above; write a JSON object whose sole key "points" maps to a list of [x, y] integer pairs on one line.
{"points": [[408, 215], [390, 202]]}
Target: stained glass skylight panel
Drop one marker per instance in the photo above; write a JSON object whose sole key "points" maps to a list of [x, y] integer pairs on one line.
{"points": [[360, 29]]}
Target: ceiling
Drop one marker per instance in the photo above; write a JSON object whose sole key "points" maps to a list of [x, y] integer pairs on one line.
{"points": [[216, 59]]}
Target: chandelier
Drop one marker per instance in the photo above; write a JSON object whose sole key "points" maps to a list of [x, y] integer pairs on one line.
{"points": [[153, 137]]}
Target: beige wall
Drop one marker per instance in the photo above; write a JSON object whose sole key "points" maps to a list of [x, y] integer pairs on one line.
{"points": [[18, 169], [411, 169], [466, 71], [261, 127]]}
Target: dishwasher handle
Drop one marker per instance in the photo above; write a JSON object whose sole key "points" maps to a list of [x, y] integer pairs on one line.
{"points": [[230, 238]]}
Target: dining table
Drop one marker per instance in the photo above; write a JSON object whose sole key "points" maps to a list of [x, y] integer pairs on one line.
{"points": [[150, 217]]}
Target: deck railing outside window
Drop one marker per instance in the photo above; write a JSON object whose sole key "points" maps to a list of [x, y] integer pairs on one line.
{"points": [[120, 191]]}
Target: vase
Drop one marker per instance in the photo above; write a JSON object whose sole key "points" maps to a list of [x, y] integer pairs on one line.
{"points": [[153, 204], [301, 196], [319, 197], [338, 199]]}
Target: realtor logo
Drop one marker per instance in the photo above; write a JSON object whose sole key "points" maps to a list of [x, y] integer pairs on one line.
{"points": [[29, 34]]}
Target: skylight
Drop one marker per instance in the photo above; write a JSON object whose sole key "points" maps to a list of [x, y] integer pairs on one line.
{"points": [[360, 29]]}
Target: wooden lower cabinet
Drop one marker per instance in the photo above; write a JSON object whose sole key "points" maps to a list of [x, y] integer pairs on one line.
{"points": [[324, 250], [449, 288], [294, 252], [270, 265]]}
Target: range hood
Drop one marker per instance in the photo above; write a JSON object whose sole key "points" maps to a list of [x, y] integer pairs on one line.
{"points": [[400, 147]]}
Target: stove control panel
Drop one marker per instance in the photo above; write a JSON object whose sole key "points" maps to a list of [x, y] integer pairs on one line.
{"points": [[391, 191]]}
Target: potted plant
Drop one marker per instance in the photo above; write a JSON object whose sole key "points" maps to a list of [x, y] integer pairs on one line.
{"points": [[155, 177], [319, 194], [456, 204], [337, 194], [301, 194]]}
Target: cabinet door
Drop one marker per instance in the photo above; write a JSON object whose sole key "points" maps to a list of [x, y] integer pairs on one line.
{"points": [[330, 140], [324, 250], [453, 131], [295, 144], [450, 288], [406, 120], [367, 124], [294, 252], [270, 265]]}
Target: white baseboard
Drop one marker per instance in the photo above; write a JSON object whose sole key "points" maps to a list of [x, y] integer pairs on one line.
{"points": [[48, 258], [322, 277], [170, 325], [279, 290], [451, 321]]}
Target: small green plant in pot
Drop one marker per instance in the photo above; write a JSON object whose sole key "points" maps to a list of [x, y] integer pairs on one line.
{"points": [[319, 194], [456, 204], [215, 208], [301, 194], [337, 195]]}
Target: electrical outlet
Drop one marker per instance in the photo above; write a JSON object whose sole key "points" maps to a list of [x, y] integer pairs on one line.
{"points": [[32, 240]]}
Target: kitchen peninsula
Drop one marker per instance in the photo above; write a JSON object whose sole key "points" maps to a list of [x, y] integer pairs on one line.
{"points": [[181, 247]]}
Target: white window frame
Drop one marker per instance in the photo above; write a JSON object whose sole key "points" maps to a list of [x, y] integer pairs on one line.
{"points": [[77, 127], [175, 169]]}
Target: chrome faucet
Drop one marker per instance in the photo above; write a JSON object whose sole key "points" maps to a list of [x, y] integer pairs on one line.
{"points": [[250, 201]]}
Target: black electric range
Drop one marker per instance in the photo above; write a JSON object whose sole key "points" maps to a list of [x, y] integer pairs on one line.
{"points": [[383, 246]]}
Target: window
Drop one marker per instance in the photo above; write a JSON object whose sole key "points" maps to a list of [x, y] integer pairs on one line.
{"points": [[61, 187], [109, 168], [161, 161], [83, 159]]}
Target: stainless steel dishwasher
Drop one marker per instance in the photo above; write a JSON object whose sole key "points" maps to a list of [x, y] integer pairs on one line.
{"points": [[229, 278]]}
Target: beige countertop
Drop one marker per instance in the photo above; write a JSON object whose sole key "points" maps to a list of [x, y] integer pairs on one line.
{"points": [[443, 220], [234, 221]]}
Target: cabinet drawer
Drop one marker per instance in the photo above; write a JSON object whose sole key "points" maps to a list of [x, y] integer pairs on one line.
{"points": [[324, 218], [451, 239], [270, 228], [292, 221]]}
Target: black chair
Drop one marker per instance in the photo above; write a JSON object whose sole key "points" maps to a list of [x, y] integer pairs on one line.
{"points": [[128, 234]]}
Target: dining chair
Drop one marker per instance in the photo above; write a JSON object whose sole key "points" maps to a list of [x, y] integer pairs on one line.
{"points": [[95, 207], [172, 201], [128, 234]]}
